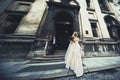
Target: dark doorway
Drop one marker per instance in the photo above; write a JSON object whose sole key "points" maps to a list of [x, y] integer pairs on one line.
{"points": [[63, 30], [118, 32]]}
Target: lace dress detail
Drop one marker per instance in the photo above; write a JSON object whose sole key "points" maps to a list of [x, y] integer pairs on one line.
{"points": [[73, 57]]}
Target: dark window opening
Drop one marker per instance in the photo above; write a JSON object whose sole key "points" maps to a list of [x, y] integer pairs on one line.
{"points": [[96, 48], [110, 0], [88, 3], [113, 27], [118, 31], [10, 24], [113, 32], [94, 29], [86, 32], [119, 2], [19, 7], [110, 20], [103, 5], [110, 48]]}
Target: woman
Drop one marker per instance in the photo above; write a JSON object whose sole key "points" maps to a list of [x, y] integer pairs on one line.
{"points": [[73, 55]]}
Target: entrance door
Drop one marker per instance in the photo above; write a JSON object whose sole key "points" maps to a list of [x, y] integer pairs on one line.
{"points": [[63, 29], [63, 33]]}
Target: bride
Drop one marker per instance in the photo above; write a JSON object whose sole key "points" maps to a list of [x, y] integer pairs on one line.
{"points": [[73, 55]]}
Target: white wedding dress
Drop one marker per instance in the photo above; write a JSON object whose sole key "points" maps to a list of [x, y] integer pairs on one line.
{"points": [[73, 57]]}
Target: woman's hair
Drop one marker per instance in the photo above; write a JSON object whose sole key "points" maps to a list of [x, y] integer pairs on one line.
{"points": [[72, 38], [74, 33]]}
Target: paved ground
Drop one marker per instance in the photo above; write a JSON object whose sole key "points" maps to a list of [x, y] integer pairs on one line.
{"points": [[112, 74], [30, 71]]}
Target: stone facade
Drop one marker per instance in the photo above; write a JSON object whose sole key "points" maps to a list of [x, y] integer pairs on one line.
{"points": [[106, 39], [32, 24]]}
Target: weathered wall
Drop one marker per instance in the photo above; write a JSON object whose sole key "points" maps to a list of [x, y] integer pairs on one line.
{"points": [[31, 21]]}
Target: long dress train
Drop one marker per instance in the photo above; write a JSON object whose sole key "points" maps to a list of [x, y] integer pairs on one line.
{"points": [[73, 58]]}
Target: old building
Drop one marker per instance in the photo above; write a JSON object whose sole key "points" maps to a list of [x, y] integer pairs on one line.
{"points": [[30, 28]]}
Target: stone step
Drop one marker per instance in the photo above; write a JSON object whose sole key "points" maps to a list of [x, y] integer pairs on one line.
{"points": [[60, 52], [40, 71], [53, 56], [47, 59], [33, 67], [51, 61]]}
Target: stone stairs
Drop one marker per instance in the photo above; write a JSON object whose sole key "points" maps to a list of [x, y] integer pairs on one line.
{"points": [[42, 71], [57, 57], [60, 52]]}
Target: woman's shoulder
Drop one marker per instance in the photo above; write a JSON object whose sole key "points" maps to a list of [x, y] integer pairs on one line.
{"points": [[76, 38]]}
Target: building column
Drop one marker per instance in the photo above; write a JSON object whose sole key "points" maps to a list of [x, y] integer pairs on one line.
{"points": [[30, 23], [115, 9], [103, 26], [85, 23]]}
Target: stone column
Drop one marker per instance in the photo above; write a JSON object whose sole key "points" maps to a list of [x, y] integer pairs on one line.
{"points": [[85, 23], [30, 23], [103, 27]]}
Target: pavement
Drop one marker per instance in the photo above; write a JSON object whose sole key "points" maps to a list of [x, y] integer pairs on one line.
{"points": [[27, 70]]}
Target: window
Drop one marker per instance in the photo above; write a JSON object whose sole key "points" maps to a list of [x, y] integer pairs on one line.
{"points": [[86, 32], [103, 5], [113, 26], [110, 20], [19, 6], [88, 3], [119, 2], [23, 7], [91, 15], [95, 48], [94, 29], [10, 24]]}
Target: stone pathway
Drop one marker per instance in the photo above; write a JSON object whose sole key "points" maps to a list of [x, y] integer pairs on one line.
{"points": [[30, 71]]}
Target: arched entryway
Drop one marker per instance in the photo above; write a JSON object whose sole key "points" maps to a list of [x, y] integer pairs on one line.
{"points": [[63, 23], [113, 27]]}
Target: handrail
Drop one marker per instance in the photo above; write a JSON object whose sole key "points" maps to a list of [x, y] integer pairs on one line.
{"points": [[46, 45]]}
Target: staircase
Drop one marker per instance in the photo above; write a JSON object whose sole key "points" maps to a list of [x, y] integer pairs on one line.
{"points": [[57, 57]]}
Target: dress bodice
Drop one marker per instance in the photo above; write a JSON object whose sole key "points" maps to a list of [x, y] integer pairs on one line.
{"points": [[76, 40]]}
